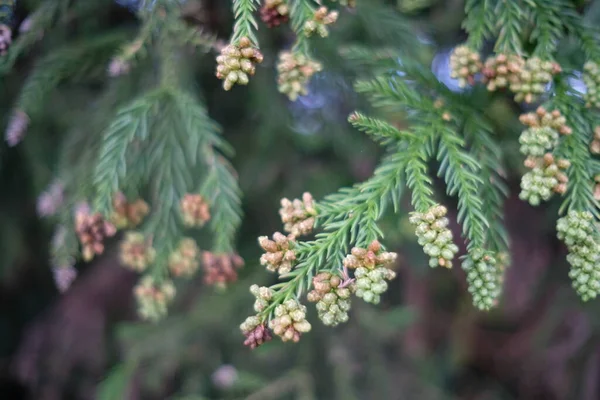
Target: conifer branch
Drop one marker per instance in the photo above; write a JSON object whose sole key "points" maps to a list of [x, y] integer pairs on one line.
{"points": [[479, 22], [245, 23], [510, 19], [548, 28], [301, 11], [131, 122], [77, 60], [461, 174]]}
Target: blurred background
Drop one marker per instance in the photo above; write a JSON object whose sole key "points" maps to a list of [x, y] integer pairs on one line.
{"points": [[425, 341]]}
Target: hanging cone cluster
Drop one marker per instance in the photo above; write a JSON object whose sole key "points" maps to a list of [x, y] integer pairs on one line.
{"points": [[256, 332], [332, 298], [194, 210], [294, 72], [536, 141], [220, 269], [547, 176], [185, 260], [274, 13], [92, 229], [128, 215], [153, 298], [279, 256], [263, 297], [321, 19], [136, 252], [501, 70], [485, 277], [290, 321], [237, 63], [591, 78], [533, 78], [370, 271], [465, 63], [542, 118], [434, 235], [298, 216], [577, 231]]}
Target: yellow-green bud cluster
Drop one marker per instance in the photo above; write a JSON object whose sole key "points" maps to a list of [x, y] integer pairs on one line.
{"points": [[237, 63], [532, 79], [185, 260], [501, 71], [591, 78], [136, 252], [153, 297], [294, 71], [319, 22], [545, 178], [536, 141], [298, 216], [578, 232], [332, 298], [485, 277], [290, 321], [465, 63], [434, 235], [263, 296], [371, 283], [279, 256]]}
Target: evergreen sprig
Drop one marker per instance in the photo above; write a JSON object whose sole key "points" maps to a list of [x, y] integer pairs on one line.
{"points": [[245, 23]]}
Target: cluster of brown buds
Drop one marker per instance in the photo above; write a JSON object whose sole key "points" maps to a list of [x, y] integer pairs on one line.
{"points": [[369, 258], [370, 271], [319, 22], [136, 251], [153, 297], [298, 216], [274, 13], [255, 331], [595, 145], [185, 260], [128, 215], [279, 256], [237, 63], [92, 229], [526, 78], [5, 39], [542, 118], [501, 70], [220, 269], [332, 295], [465, 63], [294, 72], [290, 321], [194, 210], [597, 187]]}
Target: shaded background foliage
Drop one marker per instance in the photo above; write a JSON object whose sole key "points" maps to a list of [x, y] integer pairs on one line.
{"points": [[424, 341]]}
